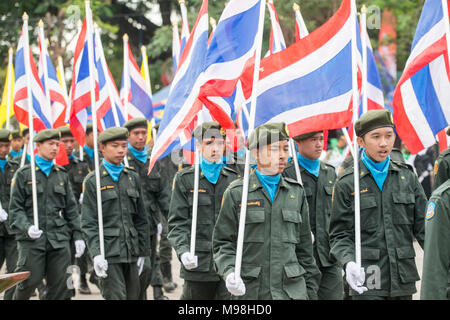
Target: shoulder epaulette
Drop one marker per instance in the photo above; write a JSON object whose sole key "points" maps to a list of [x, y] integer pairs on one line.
{"points": [[403, 165], [186, 170], [57, 167], [236, 183], [293, 181], [231, 170]]}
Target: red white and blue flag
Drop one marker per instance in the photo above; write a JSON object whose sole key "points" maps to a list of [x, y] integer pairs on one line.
{"points": [[139, 104], [421, 99], [41, 108], [176, 47], [185, 33], [300, 27], [55, 91], [182, 104], [80, 95], [277, 42]]}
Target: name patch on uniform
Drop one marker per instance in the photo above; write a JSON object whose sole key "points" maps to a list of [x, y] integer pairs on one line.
{"points": [[361, 191], [253, 203], [430, 210], [106, 187], [31, 182], [199, 190]]}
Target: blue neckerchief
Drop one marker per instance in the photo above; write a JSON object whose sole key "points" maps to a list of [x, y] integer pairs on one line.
{"points": [[379, 170], [15, 153], [312, 166], [142, 156], [211, 170], [72, 157], [241, 153], [45, 165], [3, 163], [270, 183], [28, 157], [90, 152], [113, 170]]}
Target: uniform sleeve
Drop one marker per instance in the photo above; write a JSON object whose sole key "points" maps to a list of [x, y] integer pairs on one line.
{"points": [[142, 225], [225, 236], [163, 196], [71, 212], [442, 174], [436, 259], [17, 215], [89, 218], [342, 235], [179, 219], [304, 251], [419, 211]]}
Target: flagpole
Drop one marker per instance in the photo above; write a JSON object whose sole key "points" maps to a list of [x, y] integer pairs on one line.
{"points": [[294, 159], [243, 213], [299, 17], [44, 65], [79, 25], [355, 145], [447, 26], [8, 95], [27, 57], [108, 85], [94, 125], [364, 57], [149, 86], [126, 76], [195, 201]]}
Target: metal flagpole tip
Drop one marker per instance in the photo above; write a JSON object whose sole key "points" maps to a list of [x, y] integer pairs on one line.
{"points": [[363, 9], [41, 23], [10, 50], [25, 16], [125, 37], [143, 49], [296, 7], [212, 21], [87, 2], [181, 1]]}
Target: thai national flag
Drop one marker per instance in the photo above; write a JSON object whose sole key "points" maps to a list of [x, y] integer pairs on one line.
{"points": [[185, 33], [80, 95], [277, 42], [41, 107], [421, 98], [139, 98], [300, 27], [176, 47], [309, 84], [109, 106], [55, 91], [182, 104]]}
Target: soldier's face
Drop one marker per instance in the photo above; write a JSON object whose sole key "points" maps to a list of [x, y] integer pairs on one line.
{"points": [[114, 151], [89, 140], [311, 148], [16, 144], [48, 149], [69, 143], [26, 138], [138, 138], [4, 149], [212, 149], [272, 159], [378, 143]]}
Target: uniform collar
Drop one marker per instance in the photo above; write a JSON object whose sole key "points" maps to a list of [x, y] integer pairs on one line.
{"points": [[254, 183]]}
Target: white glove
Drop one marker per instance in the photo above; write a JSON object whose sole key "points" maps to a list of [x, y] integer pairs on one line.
{"points": [[100, 266], [189, 261], [235, 286], [80, 246], [159, 228], [312, 237], [80, 201], [34, 232], [355, 277], [140, 264], [3, 215]]}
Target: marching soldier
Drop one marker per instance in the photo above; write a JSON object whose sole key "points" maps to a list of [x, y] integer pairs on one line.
{"points": [[318, 180], [45, 249], [26, 138], [77, 171], [201, 281], [8, 245], [156, 195], [277, 257], [442, 167], [16, 145], [125, 223], [88, 148], [392, 203]]}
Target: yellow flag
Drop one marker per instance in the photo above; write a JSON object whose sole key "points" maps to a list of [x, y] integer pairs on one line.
{"points": [[4, 104], [144, 75]]}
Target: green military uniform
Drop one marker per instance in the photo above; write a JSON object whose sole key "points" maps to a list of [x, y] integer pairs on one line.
{"points": [[277, 256], [49, 255], [318, 192], [436, 262], [8, 244], [202, 282], [125, 225], [442, 169], [390, 220]]}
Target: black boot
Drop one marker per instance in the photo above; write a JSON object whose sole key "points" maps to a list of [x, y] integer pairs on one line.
{"points": [[168, 284], [83, 288], [158, 293]]}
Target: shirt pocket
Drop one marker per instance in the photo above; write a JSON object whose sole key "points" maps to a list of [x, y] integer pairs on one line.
{"points": [[254, 226], [403, 212], [407, 269], [291, 225], [59, 201], [369, 212], [109, 202], [112, 241], [133, 196], [251, 276], [294, 283]]}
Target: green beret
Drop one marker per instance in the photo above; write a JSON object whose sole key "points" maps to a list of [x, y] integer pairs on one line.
{"points": [[267, 134], [306, 135], [25, 131], [47, 134], [112, 134], [5, 135], [88, 128], [65, 132], [372, 120], [16, 135], [136, 123], [209, 130]]}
